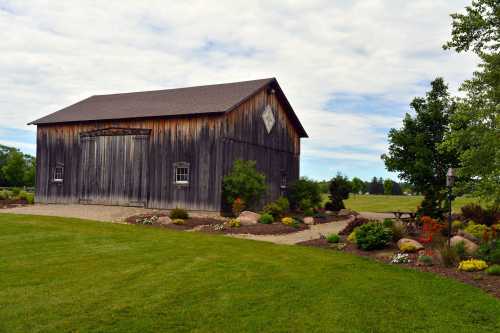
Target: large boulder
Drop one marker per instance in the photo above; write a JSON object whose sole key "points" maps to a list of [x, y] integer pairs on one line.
{"points": [[248, 218], [347, 212], [309, 220], [470, 247], [468, 236], [413, 242], [164, 220]]}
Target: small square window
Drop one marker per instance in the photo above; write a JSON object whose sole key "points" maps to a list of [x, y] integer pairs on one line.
{"points": [[181, 173], [58, 174]]}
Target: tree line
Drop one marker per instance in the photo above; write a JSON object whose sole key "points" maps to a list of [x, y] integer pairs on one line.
{"points": [[446, 131], [16, 169], [377, 185]]}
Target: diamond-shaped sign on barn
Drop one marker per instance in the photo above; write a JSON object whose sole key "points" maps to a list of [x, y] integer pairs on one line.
{"points": [[268, 117]]}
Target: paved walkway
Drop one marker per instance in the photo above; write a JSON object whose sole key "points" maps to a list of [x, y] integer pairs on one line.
{"points": [[313, 233], [90, 212]]}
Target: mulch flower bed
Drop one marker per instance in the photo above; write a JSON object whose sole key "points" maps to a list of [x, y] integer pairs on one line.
{"points": [[260, 229], [488, 283], [212, 225], [189, 223], [12, 203]]}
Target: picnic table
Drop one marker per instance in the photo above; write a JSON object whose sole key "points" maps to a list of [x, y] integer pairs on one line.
{"points": [[400, 215]]}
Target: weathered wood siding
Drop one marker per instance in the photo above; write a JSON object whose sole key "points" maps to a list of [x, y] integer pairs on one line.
{"points": [[276, 153], [131, 162], [191, 140]]}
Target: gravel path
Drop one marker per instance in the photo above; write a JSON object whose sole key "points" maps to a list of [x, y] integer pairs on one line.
{"points": [[313, 233], [90, 212], [376, 216]]}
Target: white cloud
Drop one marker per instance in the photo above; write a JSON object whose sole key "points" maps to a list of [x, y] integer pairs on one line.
{"points": [[58, 53]]}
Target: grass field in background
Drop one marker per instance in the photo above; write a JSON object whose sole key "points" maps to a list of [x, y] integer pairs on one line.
{"points": [[389, 203], [69, 275]]}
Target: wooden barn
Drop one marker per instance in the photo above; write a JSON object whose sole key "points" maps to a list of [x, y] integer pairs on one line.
{"points": [[167, 148]]}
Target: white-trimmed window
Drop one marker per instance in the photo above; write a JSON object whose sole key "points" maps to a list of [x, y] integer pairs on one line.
{"points": [[181, 173], [58, 174]]}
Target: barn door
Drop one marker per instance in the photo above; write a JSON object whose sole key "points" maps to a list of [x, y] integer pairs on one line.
{"points": [[114, 170]]}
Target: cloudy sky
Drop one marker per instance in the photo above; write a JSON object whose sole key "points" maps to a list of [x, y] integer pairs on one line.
{"points": [[349, 68]]}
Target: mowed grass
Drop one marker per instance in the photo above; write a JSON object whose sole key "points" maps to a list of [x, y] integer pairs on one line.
{"points": [[390, 203], [68, 275]]}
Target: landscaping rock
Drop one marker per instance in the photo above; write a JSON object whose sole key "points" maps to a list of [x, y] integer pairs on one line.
{"points": [[164, 220], [347, 212], [468, 236], [470, 247], [309, 220], [413, 242], [248, 218]]}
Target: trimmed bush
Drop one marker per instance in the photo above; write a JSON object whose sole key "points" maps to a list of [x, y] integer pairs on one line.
{"points": [[339, 190], [388, 223], [309, 212], [277, 208], [245, 182], [333, 238], [304, 189], [266, 218], [372, 236], [490, 252], [179, 213], [425, 260], [27, 196]]}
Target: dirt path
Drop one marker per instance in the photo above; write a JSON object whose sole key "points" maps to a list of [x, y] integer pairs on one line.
{"points": [[90, 212], [313, 233]]}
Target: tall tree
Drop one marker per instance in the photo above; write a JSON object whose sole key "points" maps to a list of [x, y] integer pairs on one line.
{"points": [[357, 185], [414, 149], [388, 187], [475, 126], [14, 168]]}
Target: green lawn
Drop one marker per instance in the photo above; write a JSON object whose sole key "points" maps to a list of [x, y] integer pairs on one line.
{"points": [[68, 275], [388, 203]]}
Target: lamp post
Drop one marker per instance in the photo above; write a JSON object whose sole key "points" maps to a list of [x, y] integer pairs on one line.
{"points": [[450, 179]]}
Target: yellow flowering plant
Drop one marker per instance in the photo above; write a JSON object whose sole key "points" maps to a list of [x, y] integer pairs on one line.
{"points": [[472, 265]]}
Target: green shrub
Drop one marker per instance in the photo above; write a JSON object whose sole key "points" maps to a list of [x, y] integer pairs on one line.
{"points": [[283, 203], [277, 208], [28, 197], [490, 252], [372, 236], [426, 260], [388, 223], [339, 189], [333, 238], [179, 213], [266, 218], [477, 230], [234, 223], [178, 221], [245, 182], [4, 195], [493, 270], [309, 212], [15, 191], [304, 189]]}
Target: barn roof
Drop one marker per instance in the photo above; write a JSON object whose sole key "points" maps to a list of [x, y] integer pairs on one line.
{"points": [[210, 99]]}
